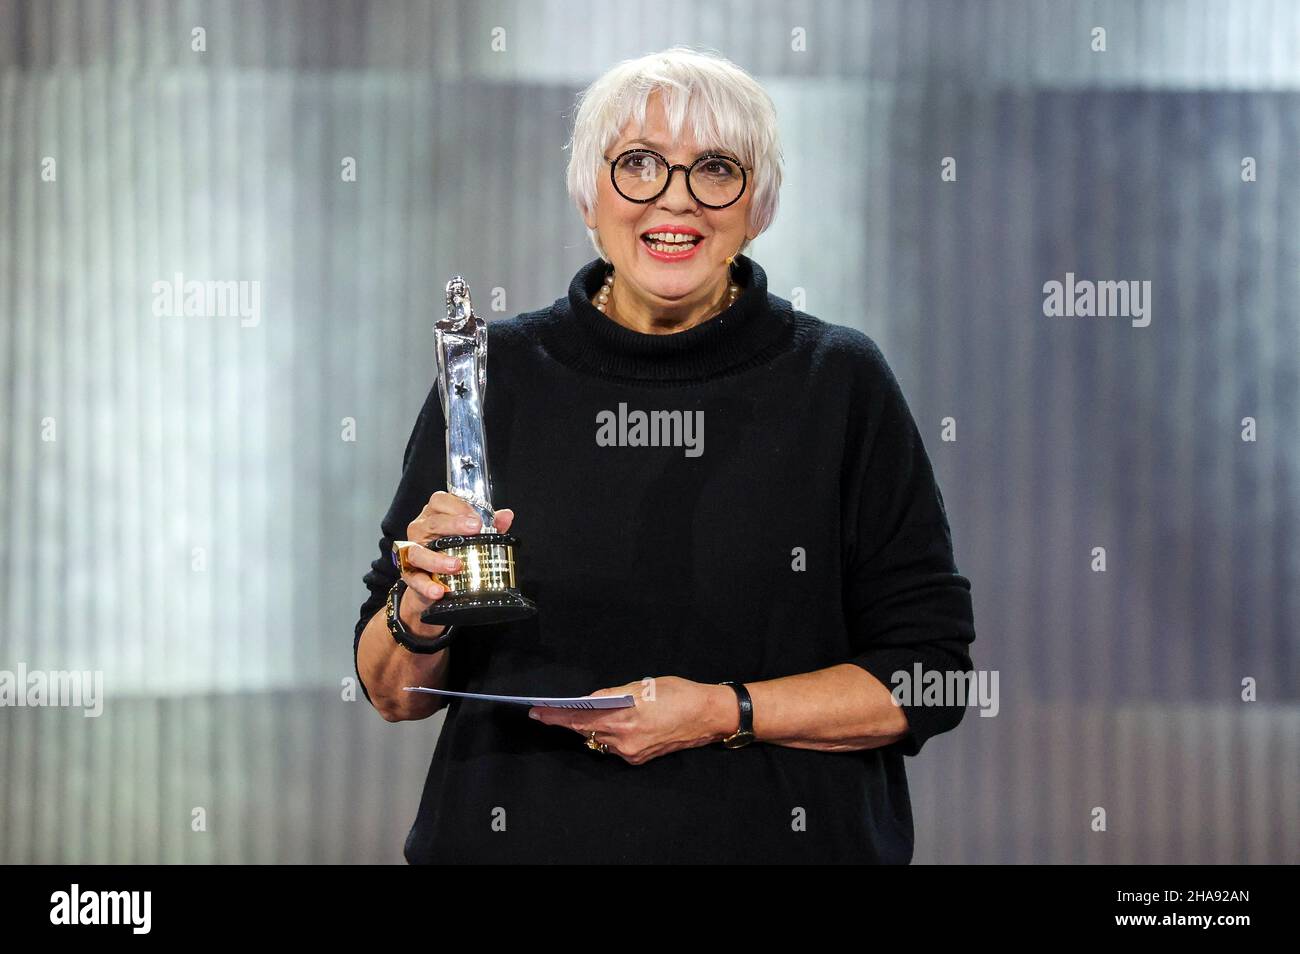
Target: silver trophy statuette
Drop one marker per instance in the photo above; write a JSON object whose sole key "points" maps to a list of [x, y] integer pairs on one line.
{"points": [[483, 591], [461, 346]]}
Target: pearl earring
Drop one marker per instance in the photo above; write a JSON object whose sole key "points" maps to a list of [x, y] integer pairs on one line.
{"points": [[602, 296]]}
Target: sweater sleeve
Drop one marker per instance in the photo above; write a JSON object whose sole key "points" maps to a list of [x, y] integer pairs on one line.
{"points": [[424, 471], [905, 603]]}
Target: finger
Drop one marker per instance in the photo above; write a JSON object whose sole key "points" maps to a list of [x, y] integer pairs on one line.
{"points": [[433, 561], [579, 722], [504, 518], [427, 528], [444, 502], [561, 717], [543, 714], [447, 524], [440, 518], [425, 586]]}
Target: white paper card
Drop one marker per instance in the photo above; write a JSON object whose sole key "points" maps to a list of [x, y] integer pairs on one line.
{"points": [[545, 702]]}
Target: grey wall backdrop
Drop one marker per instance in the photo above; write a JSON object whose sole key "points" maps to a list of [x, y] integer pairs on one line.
{"points": [[180, 509]]}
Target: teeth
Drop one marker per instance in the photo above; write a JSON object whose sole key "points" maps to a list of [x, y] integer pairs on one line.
{"points": [[671, 237], [669, 242]]}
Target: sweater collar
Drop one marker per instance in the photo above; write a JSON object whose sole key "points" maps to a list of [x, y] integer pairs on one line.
{"points": [[582, 336]]}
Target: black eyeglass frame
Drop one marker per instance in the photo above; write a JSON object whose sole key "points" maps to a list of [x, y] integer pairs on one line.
{"points": [[668, 180]]}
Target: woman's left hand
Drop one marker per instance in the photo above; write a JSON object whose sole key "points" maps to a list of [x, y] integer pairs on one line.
{"points": [[670, 713]]}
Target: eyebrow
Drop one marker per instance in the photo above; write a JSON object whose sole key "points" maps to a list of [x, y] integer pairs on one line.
{"points": [[660, 147]]}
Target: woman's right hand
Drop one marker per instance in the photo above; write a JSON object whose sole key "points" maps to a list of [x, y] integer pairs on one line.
{"points": [[445, 514]]}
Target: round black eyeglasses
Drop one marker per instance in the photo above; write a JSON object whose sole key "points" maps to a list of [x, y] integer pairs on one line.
{"points": [[714, 180]]}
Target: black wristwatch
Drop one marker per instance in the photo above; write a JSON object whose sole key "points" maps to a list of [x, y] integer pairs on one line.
{"points": [[745, 734], [399, 632]]}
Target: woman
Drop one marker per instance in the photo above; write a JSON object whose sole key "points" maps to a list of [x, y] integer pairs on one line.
{"points": [[727, 512]]}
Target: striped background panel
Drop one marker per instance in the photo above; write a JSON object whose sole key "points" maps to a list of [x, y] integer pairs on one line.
{"points": [[199, 528]]}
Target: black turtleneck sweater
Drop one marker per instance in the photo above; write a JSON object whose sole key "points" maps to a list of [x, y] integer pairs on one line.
{"points": [[685, 561]]}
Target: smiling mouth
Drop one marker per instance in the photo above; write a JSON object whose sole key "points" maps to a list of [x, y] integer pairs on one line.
{"points": [[670, 242]]}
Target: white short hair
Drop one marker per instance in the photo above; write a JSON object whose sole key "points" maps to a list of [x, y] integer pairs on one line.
{"points": [[726, 107]]}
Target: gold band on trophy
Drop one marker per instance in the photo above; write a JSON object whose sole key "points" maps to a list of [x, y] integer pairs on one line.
{"points": [[484, 566]]}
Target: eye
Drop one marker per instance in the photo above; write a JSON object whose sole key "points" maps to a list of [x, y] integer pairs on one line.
{"points": [[719, 168], [638, 162]]}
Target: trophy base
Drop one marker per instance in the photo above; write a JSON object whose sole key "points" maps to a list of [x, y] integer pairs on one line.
{"points": [[474, 609], [483, 591]]}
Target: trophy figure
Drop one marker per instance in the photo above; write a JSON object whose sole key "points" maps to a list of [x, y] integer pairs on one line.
{"points": [[483, 590]]}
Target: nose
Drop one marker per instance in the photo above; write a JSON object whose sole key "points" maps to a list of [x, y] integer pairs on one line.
{"points": [[677, 198]]}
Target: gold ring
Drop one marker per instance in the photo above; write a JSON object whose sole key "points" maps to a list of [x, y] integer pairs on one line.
{"points": [[403, 561], [402, 548], [600, 747]]}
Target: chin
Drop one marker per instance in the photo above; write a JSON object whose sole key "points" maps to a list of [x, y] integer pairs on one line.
{"points": [[673, 290]]}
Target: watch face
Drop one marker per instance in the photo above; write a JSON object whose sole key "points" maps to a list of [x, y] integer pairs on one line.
{"points": [[739, 739]]}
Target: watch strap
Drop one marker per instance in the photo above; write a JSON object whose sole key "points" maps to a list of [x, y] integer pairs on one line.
{"points": [[416, 644], [744, 734]]}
